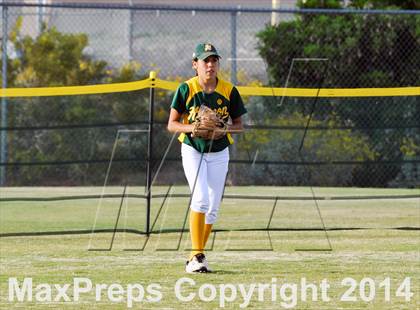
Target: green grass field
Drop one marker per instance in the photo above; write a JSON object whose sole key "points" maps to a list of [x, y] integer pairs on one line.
{"points": [[375, 242]]}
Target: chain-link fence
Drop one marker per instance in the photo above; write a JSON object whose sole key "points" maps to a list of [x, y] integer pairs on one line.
{"points": [[163, 38], [351, 141], [158, 37]]}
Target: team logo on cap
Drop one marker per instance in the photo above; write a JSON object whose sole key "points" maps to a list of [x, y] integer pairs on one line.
{"points": [[208, 47]]}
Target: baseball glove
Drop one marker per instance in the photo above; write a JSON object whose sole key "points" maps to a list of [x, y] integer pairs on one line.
{"points": [[208, 125]]}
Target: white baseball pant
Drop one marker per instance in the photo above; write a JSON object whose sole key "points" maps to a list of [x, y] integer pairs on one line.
{"points": [[206, 174]]}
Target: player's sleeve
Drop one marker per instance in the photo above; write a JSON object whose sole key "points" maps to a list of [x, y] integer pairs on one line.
{"points": [[180, 98], [237, 107]]}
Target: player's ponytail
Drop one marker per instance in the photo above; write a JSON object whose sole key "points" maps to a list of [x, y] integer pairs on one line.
{"points": [[195, 59]]}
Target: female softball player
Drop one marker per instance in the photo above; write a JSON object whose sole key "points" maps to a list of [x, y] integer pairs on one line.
{"points": [[205, 158]]}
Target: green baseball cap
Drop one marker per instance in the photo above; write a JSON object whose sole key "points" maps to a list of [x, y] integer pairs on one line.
{"points": [[204, 50]]}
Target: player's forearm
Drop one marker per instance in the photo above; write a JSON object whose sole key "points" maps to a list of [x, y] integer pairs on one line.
{"points": [[235, 127], [175, 126]]}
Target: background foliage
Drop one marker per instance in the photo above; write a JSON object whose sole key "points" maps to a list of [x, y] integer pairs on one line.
{"points": [[362, 51], [57, 59], [351, 141]]}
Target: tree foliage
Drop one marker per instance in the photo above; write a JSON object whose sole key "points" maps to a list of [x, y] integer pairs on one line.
{"points": [[377, 50], [282, 145], [57, 59], [360, 4]]}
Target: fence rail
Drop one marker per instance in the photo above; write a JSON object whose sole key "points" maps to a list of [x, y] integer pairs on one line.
{"points": [[228, 9]]}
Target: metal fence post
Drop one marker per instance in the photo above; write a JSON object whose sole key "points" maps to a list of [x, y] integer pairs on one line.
{"points": [[40, 14], [233, 47], [152, 78], [233, 79], [130, 31], [3, 121]]}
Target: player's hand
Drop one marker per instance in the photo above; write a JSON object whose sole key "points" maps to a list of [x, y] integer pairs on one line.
{"points": [[208, 125], [219, 132]]}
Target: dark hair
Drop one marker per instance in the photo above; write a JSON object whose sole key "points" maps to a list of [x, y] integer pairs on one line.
{"points": [[195, 59]]}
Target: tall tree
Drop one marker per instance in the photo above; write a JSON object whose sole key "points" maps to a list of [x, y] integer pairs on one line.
{"points": [[363, 51]]}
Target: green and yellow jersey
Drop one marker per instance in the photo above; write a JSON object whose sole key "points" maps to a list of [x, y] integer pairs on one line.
{"points": [[225, 100]]}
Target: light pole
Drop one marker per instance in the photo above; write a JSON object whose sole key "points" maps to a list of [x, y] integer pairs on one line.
{"points": [[275, 4]]}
